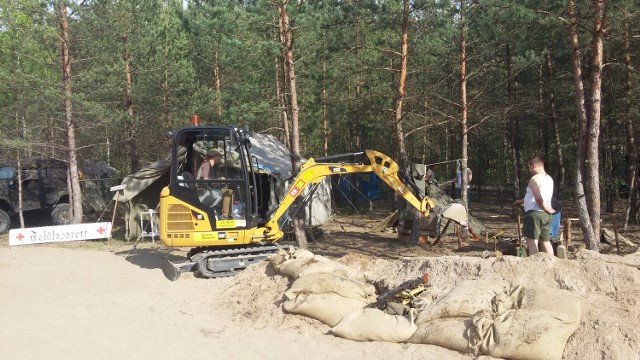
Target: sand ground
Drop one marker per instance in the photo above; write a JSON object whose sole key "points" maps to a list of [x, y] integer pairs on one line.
{"points": [[93, 301], [60, 303]]}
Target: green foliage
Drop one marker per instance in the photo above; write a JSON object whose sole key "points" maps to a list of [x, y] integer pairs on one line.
{"points": [[348, 49]]}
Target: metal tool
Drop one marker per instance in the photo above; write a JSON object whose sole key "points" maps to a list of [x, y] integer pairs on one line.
{"points": [[486, 253], [399, 298], [521, 251]]}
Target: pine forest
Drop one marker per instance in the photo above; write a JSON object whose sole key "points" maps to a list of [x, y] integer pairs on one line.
{"points": [[488, 82]]}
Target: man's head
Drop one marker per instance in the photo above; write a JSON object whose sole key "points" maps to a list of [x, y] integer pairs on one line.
{"points": [[536, 165], [214, 154]]}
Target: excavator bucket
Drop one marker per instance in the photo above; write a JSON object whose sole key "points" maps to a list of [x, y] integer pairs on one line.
{"points": [[172, 271], [458, 213]]}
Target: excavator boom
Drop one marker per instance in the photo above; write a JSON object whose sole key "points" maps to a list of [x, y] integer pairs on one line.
{"points": [[313, 172]]}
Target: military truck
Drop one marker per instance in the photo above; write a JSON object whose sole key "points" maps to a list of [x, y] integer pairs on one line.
{"points": [[44, 186]]}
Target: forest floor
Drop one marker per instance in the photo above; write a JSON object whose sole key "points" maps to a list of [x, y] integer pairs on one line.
{"points": [[97, 300], [353, 231]]}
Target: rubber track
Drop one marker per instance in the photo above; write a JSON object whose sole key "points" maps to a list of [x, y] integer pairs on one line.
{"points": [[231, 253]]}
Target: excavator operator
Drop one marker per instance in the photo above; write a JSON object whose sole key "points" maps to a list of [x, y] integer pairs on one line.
{"points": [[209, 169]]}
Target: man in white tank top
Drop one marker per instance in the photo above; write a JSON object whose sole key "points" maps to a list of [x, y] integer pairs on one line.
{"points": [[537, 206]]}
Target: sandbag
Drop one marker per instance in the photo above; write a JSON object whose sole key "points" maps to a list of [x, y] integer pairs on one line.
{"points": [[521, 334], [527, 322], [328, 308], [563, 304], [375, 325], [283, 255], [450, 333], [464, 300], [322, 283], [297, 268]]}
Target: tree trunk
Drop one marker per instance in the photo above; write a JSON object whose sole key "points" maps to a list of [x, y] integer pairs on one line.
{"points": [[544, 126], [398, 132], [515, 131], [165, 87], [281, 71], [75, 193], [52, 125], [609, 168], [632, 151], [131, 125], [296, 159], [593, 125], [590, 238], [325, 125], [216, 82], [560, 170], [19, 168], [356, 117], [463, 104], [282, 102], [20, 207]]}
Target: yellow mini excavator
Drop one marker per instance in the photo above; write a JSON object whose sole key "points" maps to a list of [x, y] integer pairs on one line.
{"points": [[214, 202]]}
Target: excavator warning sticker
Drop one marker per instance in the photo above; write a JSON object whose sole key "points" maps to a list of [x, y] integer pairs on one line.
{"points": [[225, 224], [295, 190], [204, 236], [337, 170]]}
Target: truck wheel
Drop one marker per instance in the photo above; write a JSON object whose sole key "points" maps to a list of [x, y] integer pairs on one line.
{"points": [[5, 222], [61, 215]]}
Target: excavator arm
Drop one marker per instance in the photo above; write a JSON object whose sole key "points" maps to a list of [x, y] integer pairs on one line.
{"points": [[313, 172]]}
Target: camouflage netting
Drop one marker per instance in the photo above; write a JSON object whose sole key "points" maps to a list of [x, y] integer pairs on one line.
{"points": [[441, 201], [92, 199]]}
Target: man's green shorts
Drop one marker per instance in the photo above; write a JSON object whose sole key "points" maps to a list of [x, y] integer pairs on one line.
{"points": [[537, 225]]}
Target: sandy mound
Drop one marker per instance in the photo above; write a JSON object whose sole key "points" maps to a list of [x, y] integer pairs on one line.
{"points": [[608, 287]]}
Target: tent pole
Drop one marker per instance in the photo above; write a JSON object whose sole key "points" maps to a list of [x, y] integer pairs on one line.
{"points": [[117, 189], [113, 217]]}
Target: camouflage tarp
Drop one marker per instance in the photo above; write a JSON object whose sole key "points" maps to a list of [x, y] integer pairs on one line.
{"points": [[441, 198], [441, 201]]}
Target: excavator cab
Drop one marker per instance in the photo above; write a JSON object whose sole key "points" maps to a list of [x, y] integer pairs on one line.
{"points": [[211, 203], [211, 189]]}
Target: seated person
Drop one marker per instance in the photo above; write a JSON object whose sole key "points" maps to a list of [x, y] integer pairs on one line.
{"points": [[209, 169]]}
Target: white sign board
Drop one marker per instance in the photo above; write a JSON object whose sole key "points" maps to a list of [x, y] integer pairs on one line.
{"points": [[47, 234], [118, 187]]}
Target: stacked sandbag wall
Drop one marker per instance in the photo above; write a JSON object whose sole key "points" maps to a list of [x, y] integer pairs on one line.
{"points": [[475, 316]]}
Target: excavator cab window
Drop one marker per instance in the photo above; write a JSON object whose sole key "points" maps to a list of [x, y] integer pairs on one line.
{"points": [[209, 172]]}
